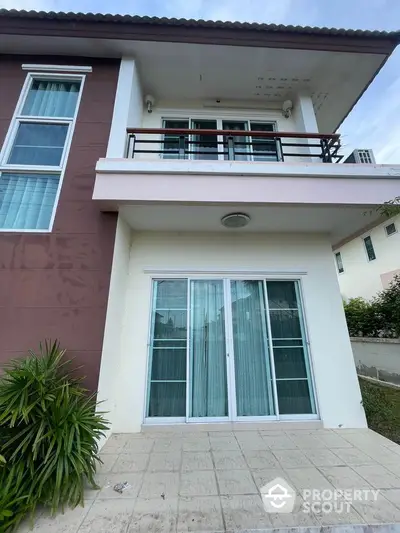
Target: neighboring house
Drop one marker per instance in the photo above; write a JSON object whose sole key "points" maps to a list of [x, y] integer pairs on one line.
{"points": [[368, 260], [169, 199]]}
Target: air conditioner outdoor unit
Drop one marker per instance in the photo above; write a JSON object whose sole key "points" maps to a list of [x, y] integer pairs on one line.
{"points": [[361, 156]]}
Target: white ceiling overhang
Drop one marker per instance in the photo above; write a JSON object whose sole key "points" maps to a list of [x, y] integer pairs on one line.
{"points": [[261, 75]]}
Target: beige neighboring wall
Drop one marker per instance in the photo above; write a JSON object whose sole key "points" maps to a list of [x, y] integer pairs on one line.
{"points": [[365, 278]]}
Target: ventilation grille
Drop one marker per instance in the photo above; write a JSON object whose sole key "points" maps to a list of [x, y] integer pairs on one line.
{"points": [[361, 156]]}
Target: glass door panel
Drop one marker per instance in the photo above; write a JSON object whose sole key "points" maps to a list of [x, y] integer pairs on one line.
{"points": [[208, 377], [171, 143], [292, 370], [239, 142], [205, 146], [253, 379], [264, 149], [167, 395]]}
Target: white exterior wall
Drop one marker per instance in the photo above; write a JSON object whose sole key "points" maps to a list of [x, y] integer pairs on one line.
{"points": [[128, 107], [111, 354], [365, 278], [331, 353]]}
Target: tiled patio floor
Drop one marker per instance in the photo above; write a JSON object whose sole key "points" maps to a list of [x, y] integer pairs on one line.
{"points": [[209, 481]]}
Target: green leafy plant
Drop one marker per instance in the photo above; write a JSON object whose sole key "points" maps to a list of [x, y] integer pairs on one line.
{"points": [[49, 431], [379, 317], [363, 318]]}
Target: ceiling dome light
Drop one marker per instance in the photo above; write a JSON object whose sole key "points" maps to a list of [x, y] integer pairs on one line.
{"points": [[235, 220]]}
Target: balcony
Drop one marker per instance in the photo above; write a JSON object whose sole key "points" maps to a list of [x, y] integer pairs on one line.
{"points": [[187, 180], [232, 145]]}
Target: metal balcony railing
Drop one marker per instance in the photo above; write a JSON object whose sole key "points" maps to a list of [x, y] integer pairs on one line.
{"points": [[232, 145]]}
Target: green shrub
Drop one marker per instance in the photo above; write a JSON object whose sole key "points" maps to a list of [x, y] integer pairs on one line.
{"points": [[362, 317], [379, 317], [49, 432]]}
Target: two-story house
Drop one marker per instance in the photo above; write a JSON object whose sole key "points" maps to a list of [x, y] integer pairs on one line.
{"points": [[169, 196]]}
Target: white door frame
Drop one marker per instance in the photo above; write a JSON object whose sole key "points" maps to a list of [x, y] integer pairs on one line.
{"points": [[229, 345]]}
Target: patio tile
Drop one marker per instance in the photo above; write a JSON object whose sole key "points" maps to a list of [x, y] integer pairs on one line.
{"points": [[387, 457], [308, 478], [196, 461], [378, 476], [297, 518], [200, 514], [248, 442], [333, 440], [165, 462], [393, 495], [131, 462], [166, 444], [353, 456], [154, 516], [107, 516], [279, 442], [292, 458], [109, 460], [229, 460], [196, 444], [307, 441], [344, 477], [135, 445], [221, 434], [159, 485], [107, 483], [115, 443], [200, 483], [323, 457], [235, 482], [259, 459], [68, 522], [244, 512], [377, 512], [347, 516], [262, 477], [224, 443]]}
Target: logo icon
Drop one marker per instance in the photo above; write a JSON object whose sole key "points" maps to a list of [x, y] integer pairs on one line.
{"points": [[278, 496]]}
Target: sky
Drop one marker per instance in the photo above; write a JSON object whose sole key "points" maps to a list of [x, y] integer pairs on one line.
{"points": [[373, 123]]}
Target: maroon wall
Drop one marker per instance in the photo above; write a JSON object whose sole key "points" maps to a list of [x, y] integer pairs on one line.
{"points": [[55, 285]]}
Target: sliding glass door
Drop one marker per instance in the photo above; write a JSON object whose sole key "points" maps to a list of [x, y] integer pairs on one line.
{"points": [[225, 349]]}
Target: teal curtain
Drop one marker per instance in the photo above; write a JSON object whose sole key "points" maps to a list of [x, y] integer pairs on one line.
{"points": [[207, 350], [167, 380], [48, 98], [252, 366], [27, 200]]}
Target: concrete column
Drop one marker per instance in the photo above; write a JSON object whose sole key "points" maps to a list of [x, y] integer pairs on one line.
{"points": [[128, 107], [304, 114]]}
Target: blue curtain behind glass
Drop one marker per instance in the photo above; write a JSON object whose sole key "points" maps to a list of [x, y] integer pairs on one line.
{"points": [[27, 200]]}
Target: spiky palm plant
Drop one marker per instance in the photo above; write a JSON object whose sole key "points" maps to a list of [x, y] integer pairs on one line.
{"points": [[49, 430]]}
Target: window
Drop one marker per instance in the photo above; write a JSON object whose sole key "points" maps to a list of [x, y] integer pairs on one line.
{"points": [[339, 262], [207, 146], [390, 229], [369, 247], [34, 155]]}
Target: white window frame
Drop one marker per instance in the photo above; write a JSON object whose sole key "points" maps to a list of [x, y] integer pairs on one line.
{"points": [[395, 229], [18, 118], [219, 123], [232, 418]]}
